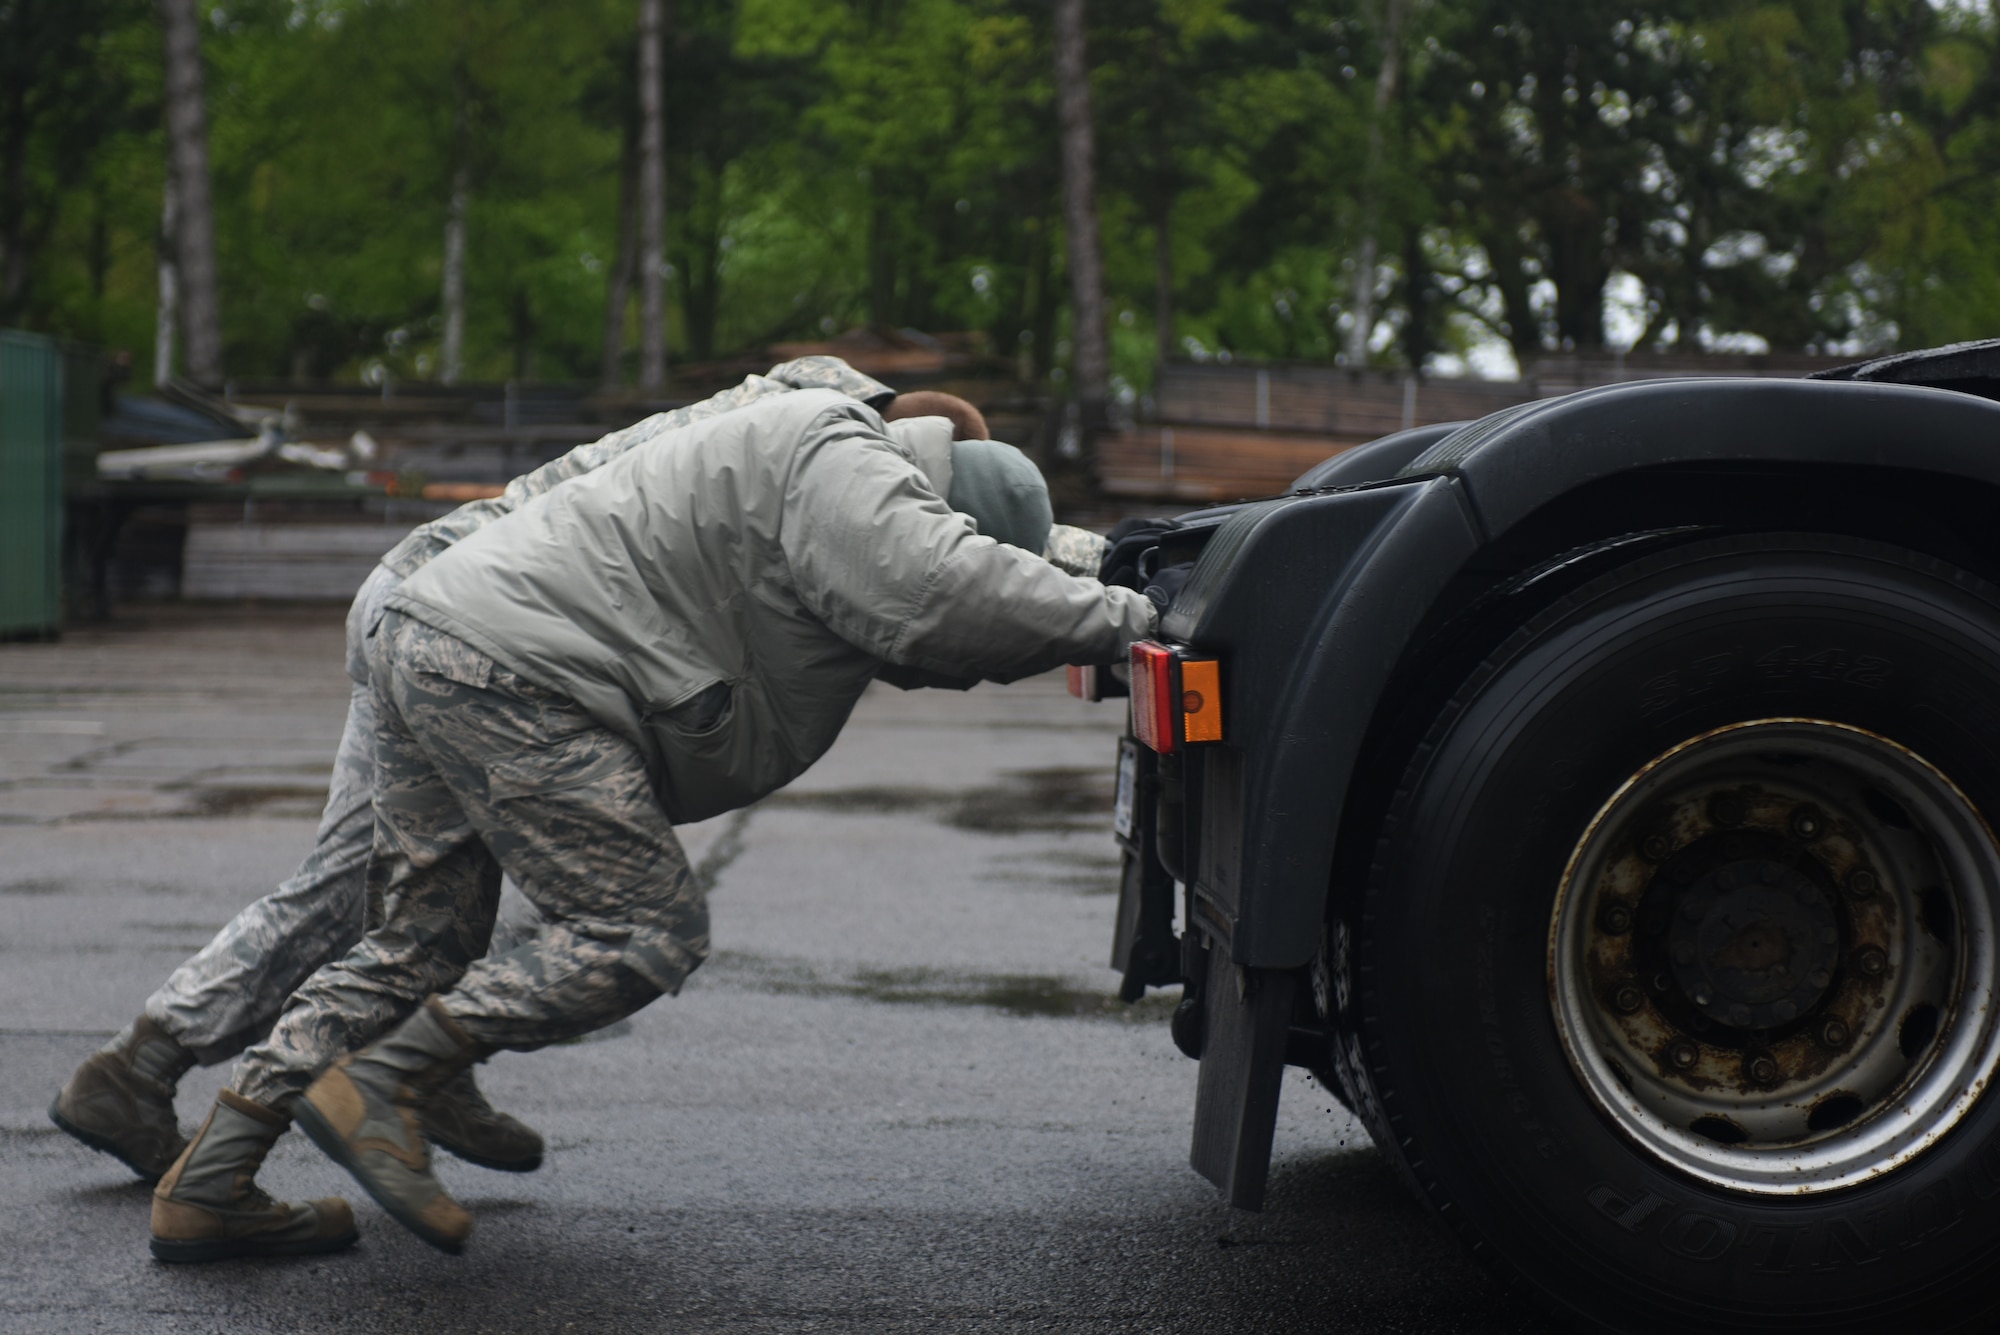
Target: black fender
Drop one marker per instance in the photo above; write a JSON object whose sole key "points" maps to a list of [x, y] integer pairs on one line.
{"points": [[1309, 602], [1378, 459], [1313, 600], [1519, 460]]}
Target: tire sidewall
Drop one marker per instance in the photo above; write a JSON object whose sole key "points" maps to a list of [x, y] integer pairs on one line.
{"points": [[1461, 1046]]}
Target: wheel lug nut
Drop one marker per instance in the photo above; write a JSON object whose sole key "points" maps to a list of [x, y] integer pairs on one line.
{"points": [[1833, 1033], [1808, 823], [1655, 847], [1682, 1054], [1861, 883], [1870, 962], [1762, 1070], [1628, 999], [1726, 809], [1616, 919]]}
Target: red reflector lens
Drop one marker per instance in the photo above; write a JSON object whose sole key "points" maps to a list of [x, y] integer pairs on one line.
{"points": [[1155, 700], [1083, 683]]}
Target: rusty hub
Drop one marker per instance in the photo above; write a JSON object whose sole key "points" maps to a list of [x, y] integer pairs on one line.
{"points": [[1768, 941], [1752, 944]]}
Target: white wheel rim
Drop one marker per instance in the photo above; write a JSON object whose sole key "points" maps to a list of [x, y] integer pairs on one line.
{"points": [[1758, 1017]]}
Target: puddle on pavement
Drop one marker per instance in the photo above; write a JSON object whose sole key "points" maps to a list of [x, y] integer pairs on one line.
{"points": [[1045, 995], [255, 799], [866, 801], [86, 760], [1057, 800], [1054, 800], [1089, 874], [34, 886], [1081, 883], [219, 802], [265, 799]]}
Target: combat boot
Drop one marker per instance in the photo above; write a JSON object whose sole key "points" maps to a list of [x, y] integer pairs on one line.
{"points": [[363, 1113], [459, 1119], [209, 1207], [121, 1100]]}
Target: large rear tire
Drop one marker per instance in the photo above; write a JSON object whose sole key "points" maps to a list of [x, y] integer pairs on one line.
{"points": [[1675, 974]]}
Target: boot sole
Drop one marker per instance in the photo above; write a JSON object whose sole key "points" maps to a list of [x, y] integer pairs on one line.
{"points": [[102, 1145], [181, 1251], [497, 1165], [334, 1145]]}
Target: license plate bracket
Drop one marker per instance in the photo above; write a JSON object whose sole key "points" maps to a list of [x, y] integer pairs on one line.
{"points": [[1125, 810]]}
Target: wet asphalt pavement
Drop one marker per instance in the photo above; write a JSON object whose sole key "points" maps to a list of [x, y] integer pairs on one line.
{"points": [[899, 1097]]}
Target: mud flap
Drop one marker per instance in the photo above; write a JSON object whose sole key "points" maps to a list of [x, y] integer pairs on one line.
{"points": [[1143, 948], [1247, 1022]]}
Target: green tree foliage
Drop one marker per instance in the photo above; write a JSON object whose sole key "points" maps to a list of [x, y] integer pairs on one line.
{"points": [[1683, 173], [78, 80]]}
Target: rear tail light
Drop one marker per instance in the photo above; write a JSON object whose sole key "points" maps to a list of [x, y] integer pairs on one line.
{"points": [[1175, 700], [1083, 683], [1153, 695]]}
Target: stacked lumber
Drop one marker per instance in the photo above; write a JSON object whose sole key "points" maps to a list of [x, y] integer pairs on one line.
{"points": [[323, 562], [1229, 432], [1325, 400], [1567, 372], [1196, 463]]}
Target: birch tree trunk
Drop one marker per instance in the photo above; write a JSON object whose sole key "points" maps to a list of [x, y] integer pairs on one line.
{"points": [[14, 244], [167, 320], [1086, 270], [187, 155], [618, 283], [451, 356], [1163, 278], [652, 199], [1363, 304], [1163, 206]]}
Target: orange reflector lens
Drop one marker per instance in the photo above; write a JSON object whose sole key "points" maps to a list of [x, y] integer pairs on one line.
{"points": [[1201, 700], [1154, 699]]}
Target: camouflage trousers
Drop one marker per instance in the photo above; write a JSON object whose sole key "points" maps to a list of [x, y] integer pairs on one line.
{"points": [[475, 764], [227, 996]]}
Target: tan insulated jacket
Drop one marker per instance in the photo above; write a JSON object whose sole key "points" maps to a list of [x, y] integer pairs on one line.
{"points": [[723, 595]]}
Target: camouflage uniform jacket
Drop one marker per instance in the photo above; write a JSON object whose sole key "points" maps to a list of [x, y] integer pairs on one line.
{"points": [[723, 597], [426, 541]]}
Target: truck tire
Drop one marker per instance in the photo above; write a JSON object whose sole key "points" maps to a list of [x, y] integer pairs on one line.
{"points": [[1675, 983]]}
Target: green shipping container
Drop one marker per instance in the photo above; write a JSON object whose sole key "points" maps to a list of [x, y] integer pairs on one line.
{"points": [[31, 477]]}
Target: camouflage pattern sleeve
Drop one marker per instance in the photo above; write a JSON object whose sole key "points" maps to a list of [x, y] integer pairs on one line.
{"points": [[821, 372], [1075, 551], [818, 372]]}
